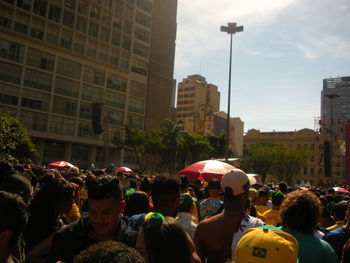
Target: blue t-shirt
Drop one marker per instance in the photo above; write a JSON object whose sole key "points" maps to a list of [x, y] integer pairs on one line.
{"points": [[337, 239]]}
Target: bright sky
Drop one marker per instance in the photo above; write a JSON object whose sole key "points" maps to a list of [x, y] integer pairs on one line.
{"points": [[279, 61]]}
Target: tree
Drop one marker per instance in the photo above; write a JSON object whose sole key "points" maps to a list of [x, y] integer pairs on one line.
{"points": [[218, 144], [288, 163], [145, 147], [260, 158], [16, 146]]}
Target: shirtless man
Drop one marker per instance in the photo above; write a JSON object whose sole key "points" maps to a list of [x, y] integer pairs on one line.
{"points": [[216, 237]]}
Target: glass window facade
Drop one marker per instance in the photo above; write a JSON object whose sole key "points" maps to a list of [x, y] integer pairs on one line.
{"points": [[38, 80], [10, 72], [35, 100], [39, 59], [11, 50], [68, 68], [8, 94], [67, 87]]}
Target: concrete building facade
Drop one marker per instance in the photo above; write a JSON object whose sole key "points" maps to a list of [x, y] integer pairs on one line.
{"points": [[77, 71]]}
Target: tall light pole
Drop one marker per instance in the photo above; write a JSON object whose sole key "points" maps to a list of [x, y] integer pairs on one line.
{"points": [[329, 162], [231, 29]]}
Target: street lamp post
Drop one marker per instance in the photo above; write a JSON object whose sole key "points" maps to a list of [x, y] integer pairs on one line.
{"points": [[330, 161], [231, 29]]}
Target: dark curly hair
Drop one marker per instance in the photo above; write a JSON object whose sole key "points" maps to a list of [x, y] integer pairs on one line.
{"points": [[300, 211], [109, 252]]}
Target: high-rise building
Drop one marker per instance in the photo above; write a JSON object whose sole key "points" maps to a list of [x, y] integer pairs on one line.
{"points": [[77, 71], [334, 128], [194, 92]]}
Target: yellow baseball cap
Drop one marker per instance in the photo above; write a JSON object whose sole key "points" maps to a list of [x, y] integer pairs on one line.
{"points": [[262, 245]]}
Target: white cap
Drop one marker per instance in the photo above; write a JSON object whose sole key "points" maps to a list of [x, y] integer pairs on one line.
{"points": [[237, 180]]}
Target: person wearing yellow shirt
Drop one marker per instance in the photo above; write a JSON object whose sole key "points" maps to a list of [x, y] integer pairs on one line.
{"points": [[263, 198], [338, 212], [272, 216]]}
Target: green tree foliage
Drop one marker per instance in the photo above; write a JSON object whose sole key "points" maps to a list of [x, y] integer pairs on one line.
{"points": [[259, 158], [218, 144], [16, 145], [168, 149], [267, 158], [288, 163]]}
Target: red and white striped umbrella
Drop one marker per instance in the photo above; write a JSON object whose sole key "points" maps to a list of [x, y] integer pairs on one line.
{"points": [[59, 165], [206, 170], [340, 190], [124, 170]]}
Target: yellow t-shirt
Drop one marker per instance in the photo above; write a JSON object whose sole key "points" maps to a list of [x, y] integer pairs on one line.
{"points": [[272, 216], [261, 209]]}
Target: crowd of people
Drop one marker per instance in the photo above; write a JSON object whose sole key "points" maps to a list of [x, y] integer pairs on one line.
{"points": [[102, 215]]}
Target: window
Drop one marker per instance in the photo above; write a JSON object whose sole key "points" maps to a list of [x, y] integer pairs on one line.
{"points": [[68, 68], [140, 49], [126, 43], [136, 105], [85, 111], [312, 172], [68, 19], [83, 7], [85, 130], [118, 8], [106, 18], [52, 34], [65, 106], [62, 125], [137, 89], [92, 94], [35, 100], [144, 5], [38, 80], [139, 66], [54, 13], [80, 152], [125, 61], [114, 57], [70, 4], [66, 39], [9, 72], [117, 23], [116, 82], [39, 59], [127, 27], [81, 24], [95, 13], [305, 171], [115, 99], [93, 29], [37, 29], [34, 120], [143, 19], [39, 7], [5, 17], [135, 121], [79, 44], [129, 13], [25, 4], [142, 34], [54, 150], [21, 23], [116, 38], [116, 135], [94, 76], [92, 48], [11, 50], [67, 87], [114, 117], [105, 34], [103, 54], [8, 94]]}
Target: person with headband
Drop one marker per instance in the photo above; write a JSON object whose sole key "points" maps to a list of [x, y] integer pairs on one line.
{"points": [[163, 239]]}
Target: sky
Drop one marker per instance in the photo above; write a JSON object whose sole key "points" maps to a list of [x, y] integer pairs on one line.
{"points": [[279, 61]]}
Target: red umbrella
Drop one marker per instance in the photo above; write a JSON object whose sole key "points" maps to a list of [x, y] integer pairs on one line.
{"points": [[340, 190], [206, 170], [59, 165], [124, 170]]}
